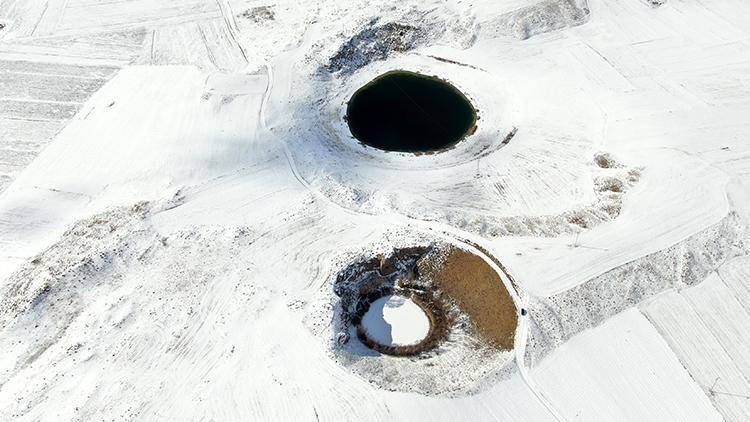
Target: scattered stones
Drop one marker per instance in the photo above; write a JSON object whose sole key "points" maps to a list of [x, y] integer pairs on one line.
{"points": [[375, 42], [542, 17], [259, 14], [605, 160], [655, 3]]}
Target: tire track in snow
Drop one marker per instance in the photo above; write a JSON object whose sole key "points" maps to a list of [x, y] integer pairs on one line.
{"points": [[226, 13]]}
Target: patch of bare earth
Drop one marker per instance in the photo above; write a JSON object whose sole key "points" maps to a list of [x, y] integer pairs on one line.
{"points": [[477, 289]]}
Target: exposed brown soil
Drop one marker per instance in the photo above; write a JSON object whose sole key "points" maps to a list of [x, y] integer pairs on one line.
{"points": [[435, 277], [477, 290]]}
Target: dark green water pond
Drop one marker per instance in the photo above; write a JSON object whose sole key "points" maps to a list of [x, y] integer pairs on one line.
{"points": [[409, 112]]}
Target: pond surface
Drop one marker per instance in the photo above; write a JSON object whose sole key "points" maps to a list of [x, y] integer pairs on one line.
{"points": [[409, 112]]}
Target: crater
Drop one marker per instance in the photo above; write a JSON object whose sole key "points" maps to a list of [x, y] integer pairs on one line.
{"points": [[411, 301], [409, 112], [432, 318]]}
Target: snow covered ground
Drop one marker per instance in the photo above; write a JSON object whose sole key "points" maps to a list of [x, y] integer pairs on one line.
{"points": [[396, 320], [178, 191]]}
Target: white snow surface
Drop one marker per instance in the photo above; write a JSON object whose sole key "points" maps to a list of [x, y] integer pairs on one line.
{"points": [[396, 320], [179, 192], [625, 360]]}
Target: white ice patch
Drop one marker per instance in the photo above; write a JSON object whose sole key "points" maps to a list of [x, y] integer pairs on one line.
{"points": [[396, 320]]}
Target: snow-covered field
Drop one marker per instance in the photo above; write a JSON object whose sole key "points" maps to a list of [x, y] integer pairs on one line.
{"points": [[178, 191]]}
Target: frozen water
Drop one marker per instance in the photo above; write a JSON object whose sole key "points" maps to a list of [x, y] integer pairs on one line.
{"points": [[396, 320]]}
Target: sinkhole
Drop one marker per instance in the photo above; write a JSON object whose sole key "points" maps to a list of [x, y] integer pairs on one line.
{"points": [[409, 112]]}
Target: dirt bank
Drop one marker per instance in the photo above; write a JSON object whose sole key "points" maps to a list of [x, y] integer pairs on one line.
{"points": [[476, 288]]}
